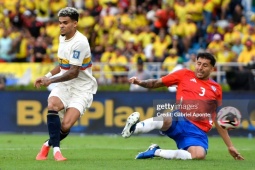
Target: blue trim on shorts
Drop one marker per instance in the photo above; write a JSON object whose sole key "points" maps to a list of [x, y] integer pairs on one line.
{"points": [[186, 134]]}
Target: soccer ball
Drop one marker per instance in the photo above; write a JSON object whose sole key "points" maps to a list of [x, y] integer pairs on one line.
{"points": [[229, 118]]}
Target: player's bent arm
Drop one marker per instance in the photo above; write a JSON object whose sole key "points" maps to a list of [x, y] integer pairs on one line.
{"points": [[72, 73], [151, 83], [55, 71], [224, 134], [231, 149]]}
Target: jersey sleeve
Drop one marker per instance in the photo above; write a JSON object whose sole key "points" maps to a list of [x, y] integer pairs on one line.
{"points": [[219, 97], [80, 52], [173, 78]]}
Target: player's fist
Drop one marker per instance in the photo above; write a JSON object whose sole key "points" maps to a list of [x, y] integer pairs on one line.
{"points": [[45, 82], [133, 80], [38, 82], [42, 81]]}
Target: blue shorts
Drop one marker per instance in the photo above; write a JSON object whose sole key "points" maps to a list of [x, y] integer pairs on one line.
{"points": [[186, 134]]}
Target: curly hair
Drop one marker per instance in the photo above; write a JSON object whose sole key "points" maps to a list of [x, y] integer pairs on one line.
{"points": [[69, 12]]}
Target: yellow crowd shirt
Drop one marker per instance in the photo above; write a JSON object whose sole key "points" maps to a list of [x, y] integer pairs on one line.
{"points": [[246, 56]]}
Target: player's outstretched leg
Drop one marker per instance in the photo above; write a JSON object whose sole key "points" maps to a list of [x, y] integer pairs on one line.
{"points": [[145, 126], [131, 122], [42, 155], [155, 151], [173, 154], [149, 153]]}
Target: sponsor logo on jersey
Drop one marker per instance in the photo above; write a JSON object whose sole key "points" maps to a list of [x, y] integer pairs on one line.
{"points": [[194, 80]]}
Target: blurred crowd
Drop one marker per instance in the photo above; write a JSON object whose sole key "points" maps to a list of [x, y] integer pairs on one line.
{"points": [[121, 31]]}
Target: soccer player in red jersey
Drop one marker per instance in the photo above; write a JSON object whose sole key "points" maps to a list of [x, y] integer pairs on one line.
{"points": [[197, 98]]}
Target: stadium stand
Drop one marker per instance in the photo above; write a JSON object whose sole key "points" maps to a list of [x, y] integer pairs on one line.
{"points": [[120, 31]]}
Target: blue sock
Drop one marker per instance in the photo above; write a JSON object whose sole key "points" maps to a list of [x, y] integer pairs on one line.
{"points": [[62, 134], [54, 127]]}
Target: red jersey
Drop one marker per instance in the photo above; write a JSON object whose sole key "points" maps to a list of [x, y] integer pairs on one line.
{"points": [[198, 99]]}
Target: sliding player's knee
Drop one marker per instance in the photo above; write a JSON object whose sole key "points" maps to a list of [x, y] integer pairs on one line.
{"points": [[197, 152], [167, 122], [198, 156]]}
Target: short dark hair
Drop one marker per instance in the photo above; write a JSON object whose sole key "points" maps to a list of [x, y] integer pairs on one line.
{"points": [[208, 56], [139, 61], [69, 12]]}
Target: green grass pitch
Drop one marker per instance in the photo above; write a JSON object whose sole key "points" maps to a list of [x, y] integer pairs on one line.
{"points": [[17, 152]]}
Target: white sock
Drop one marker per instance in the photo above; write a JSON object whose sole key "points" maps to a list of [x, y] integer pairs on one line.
{"points": [[56, 149], [47, 143], [173, 154], [148, 125]]}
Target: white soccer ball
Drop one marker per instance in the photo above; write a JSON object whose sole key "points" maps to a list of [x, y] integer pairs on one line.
{"points": [[229, 118]]}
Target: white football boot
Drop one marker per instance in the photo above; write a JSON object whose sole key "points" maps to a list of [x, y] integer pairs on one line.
{"points": [[131, 120]]}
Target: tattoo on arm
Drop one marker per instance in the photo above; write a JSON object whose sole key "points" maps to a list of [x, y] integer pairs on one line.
{"points": [[70, 74], [151, 83]]}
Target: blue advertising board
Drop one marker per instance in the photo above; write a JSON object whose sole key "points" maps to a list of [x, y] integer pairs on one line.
{"points": [[25, 111]]}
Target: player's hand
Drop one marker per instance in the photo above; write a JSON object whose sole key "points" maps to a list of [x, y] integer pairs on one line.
{"points": [[46, 81], [236, 155], [133, 80], [42, 81], [38, 82]]}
